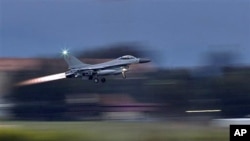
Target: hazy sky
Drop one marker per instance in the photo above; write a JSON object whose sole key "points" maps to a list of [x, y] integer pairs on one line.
{"points": [[180, 32]]}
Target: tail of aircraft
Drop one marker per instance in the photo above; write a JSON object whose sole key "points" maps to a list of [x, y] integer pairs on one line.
{"points": [[73, 62]]}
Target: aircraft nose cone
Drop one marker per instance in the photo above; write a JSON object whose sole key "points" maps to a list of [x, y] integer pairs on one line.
{"points": [[144, 60]]}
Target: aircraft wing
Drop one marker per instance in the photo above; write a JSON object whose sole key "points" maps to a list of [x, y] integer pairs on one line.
{"points": [[102, 66]]}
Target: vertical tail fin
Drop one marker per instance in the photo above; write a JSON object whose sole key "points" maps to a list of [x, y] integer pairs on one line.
{"points": [[73, 62]]}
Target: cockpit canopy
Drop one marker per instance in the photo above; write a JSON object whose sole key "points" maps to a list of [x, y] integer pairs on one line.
{"points": [[126, 57]]}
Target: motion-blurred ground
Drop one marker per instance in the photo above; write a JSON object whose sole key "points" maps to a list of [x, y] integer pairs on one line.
{"points": [[110, 131]]}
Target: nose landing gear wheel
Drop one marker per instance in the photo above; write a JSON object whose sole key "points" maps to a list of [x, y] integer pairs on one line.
{"points": [[124, 75]]}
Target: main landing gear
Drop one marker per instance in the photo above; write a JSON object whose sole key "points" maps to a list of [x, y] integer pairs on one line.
{"points": [[96, 80], [103, 80]]}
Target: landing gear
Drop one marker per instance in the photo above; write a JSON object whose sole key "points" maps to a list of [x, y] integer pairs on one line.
{"points": [[123, 75], [96, 80], [103, 80], [90, 77]]}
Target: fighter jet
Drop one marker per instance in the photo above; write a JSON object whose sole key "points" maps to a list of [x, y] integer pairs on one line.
{"points": [[97, 72]]}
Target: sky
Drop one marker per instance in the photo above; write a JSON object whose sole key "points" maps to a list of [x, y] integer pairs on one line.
{"points": [[179, 33]]}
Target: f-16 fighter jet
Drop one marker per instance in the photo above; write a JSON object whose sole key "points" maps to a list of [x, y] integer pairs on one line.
{"points": [[96, 72]]}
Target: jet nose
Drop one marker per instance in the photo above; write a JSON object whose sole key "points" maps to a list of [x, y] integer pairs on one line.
{"points": [[144, 60]]}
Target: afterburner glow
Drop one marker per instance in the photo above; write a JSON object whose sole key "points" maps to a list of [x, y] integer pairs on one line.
{"points": [[42, 79]]}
